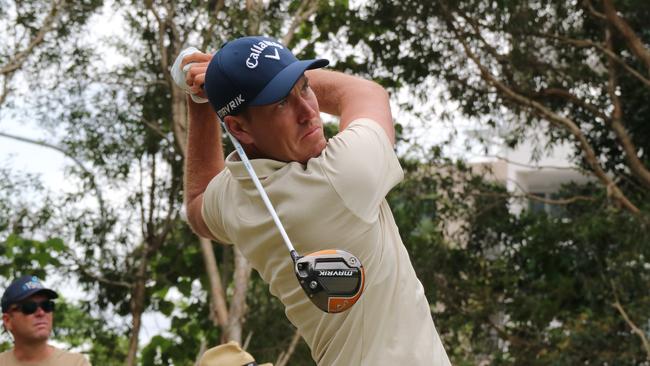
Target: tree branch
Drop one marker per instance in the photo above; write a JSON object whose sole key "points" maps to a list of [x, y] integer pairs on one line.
{"points": [[554, 118], [283, 358], [172, 211], [514, 339], [167, 227], [5, 89], [593, 11], [633, 161], [143, 228], [209, 30], [173, 27], [501, 59], [104, 280], [155, 128], [306, 9], [152, 201], [89, 174], [20, 57], [633, 41], [219, 309], [247, 341], [162, 50], [238, 301], [254, 8], [82, 267], [536, 167], [137, 305], [635, 329], [203, 346], [534, 197], [609, 53], [567, 95]]}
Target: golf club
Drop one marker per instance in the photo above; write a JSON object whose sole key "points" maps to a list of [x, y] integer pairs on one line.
{"points": [[333, 279]]}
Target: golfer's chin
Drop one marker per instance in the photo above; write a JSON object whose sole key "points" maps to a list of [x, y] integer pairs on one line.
{"points": [[314, 151]]}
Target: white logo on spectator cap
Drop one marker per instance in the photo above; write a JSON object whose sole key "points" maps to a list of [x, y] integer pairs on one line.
{"points": [[32, 284]]}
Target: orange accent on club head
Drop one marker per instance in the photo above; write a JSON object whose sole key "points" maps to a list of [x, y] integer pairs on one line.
{"points": [[326, 251], [340, 304]]}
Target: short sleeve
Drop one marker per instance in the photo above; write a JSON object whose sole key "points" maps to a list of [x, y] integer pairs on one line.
{"points": [[362, 166], [84, 361], [211, 209]]}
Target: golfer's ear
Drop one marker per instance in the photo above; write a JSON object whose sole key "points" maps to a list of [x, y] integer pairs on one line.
{"points": [[6, 322], [238, 127]]}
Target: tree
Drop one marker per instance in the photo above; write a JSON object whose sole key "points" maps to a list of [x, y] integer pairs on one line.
{"points": [[137, 135], [531, 289], [33, 41], [577, 70]]}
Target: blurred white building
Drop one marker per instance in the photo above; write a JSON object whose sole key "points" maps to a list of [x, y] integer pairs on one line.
{"points": [[527, 170]]}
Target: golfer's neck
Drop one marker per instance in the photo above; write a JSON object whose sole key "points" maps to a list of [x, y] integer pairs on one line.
{"points": [[252, 152]]}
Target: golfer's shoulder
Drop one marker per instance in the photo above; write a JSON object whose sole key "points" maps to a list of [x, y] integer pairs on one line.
{"points": [[362, 139], [360, 154], [220, 181], [367, 127]]}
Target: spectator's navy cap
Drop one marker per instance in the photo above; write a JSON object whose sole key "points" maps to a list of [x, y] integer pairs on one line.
{"points": [[23, 288], [252, 71]]}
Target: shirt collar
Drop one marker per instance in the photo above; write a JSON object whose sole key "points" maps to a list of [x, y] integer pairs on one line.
{"points": [[263, 167]]}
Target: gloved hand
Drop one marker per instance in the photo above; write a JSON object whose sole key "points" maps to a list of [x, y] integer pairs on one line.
{"points": [[179, 74]]}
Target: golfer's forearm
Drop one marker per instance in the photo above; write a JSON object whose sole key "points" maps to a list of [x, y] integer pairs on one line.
{"points": [[204, 158], [351, 97]]}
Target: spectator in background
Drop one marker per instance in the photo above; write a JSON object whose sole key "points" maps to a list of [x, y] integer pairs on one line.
{"points": [[27, 312]]}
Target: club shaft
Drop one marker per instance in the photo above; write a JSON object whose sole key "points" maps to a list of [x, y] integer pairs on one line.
{"points": [[260, 189]]}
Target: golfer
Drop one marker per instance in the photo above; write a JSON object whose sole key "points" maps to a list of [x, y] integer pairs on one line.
{"points": [[328, 194]]}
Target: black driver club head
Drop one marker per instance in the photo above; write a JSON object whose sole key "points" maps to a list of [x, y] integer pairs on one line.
{"points": [[332, 279]]}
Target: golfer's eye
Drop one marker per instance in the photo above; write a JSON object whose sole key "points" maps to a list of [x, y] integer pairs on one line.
{"points": [[305, 86], [282, 103]]}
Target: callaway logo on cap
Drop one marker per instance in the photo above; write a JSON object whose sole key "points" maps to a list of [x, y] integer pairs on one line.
{"points": [[252, 71]]}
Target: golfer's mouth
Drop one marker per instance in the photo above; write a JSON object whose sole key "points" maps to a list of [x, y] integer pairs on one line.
{"points": [[311, 132]]}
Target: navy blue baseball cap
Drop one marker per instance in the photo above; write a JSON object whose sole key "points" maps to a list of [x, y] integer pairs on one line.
{"points": [[252, 71], [22, 288]]}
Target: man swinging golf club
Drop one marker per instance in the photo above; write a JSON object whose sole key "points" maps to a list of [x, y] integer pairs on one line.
{"points": [[329, 195]]}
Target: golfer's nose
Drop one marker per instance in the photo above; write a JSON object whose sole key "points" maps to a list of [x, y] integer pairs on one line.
{"points": [[306, 111]]}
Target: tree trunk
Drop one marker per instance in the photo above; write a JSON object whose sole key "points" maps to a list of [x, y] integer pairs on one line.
{"points": [[219, 309], [179, 115], [238, 302], [284, 357], [137, 307]]}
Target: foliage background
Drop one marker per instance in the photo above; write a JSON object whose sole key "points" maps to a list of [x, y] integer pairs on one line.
{"points": [[505, 289]]}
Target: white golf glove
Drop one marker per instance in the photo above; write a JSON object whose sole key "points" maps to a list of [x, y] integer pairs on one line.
{"points": [[179, 74]]}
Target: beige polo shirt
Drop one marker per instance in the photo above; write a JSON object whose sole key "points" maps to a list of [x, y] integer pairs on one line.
{"points": [[335, 201]]}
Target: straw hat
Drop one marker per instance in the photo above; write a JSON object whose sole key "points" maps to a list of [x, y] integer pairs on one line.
{"points": [[229, 354]]}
